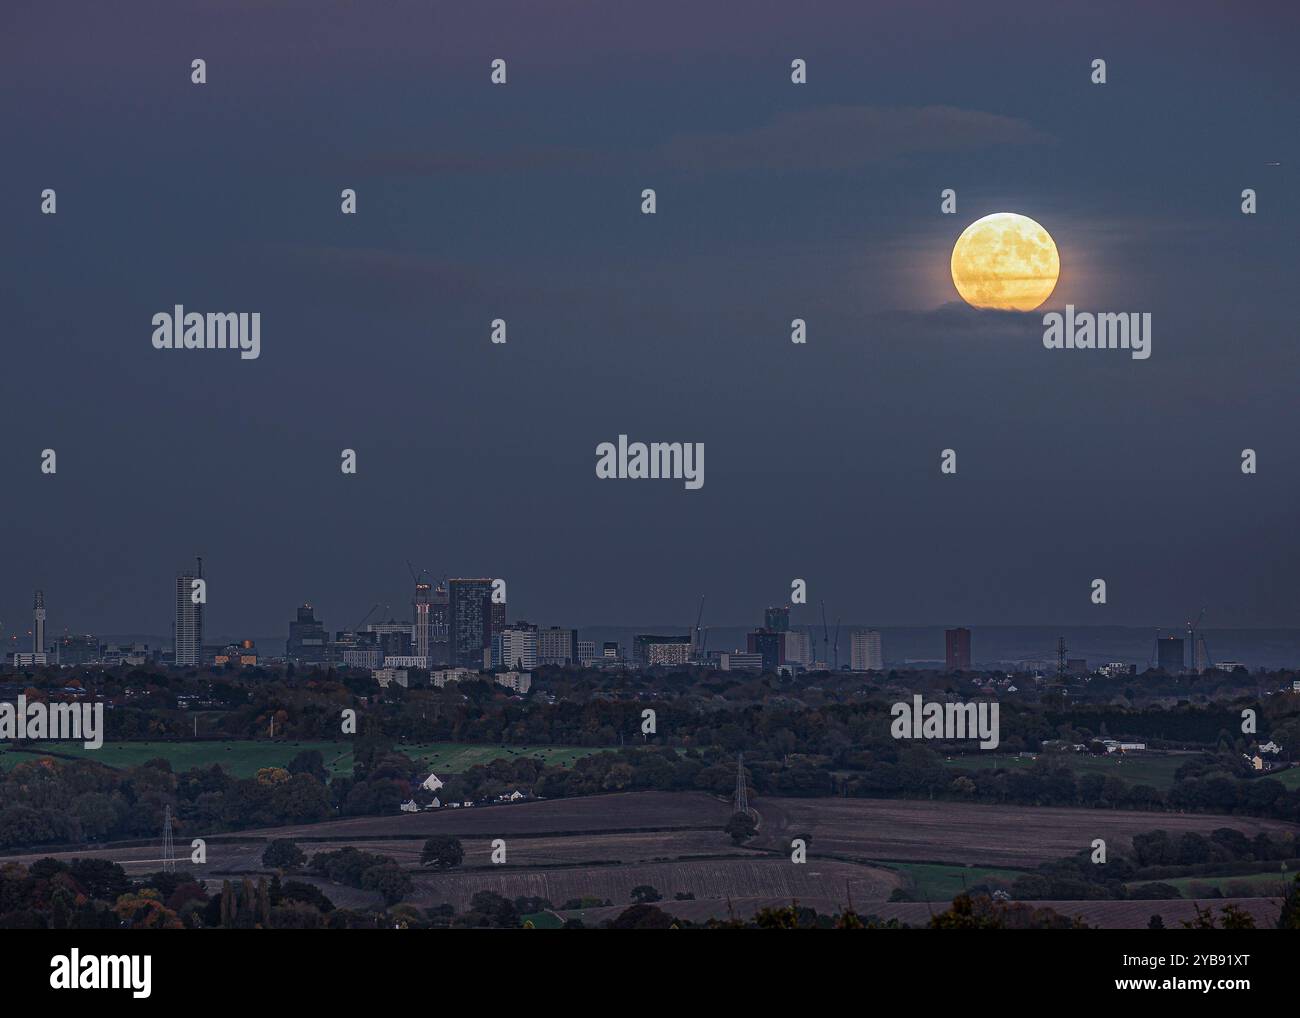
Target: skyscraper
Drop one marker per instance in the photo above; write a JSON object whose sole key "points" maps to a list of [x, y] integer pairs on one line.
{"points": [[187, 634], [307, 643], [957, 649], [1170, 654], [777, 619], [515, 647], [422, 607], [470, 620], [865, 652], [439, 619], [769, 645]]}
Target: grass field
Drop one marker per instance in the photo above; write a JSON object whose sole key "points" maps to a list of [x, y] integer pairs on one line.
{"points": [[1133, 768], [243, 758], [932, 882], [1263, 885]]}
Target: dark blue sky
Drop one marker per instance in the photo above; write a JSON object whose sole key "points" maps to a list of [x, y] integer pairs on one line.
{"points": [[522, 202]]}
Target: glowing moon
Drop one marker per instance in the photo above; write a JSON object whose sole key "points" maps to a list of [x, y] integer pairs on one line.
{"points": [[1005, 261]]}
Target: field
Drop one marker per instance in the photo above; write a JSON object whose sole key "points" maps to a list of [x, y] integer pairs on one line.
{"points": [[243, 758], [1265, 884], [935, 882], [972, 834], [603, 846]]}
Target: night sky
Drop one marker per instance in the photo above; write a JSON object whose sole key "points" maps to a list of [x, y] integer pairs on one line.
{"points": [[522, 202]]}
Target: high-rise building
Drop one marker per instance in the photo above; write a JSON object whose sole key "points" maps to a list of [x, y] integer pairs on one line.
{"points": [[865, 654], [515, 647], [557, 646], [586, 652], [957, 649], [439, 618], [470, 612], [1169, 654], [777, 619], [660, 650], [770, 645], [77, 650], [392, 637], [308, 641], [187, 634], [798, 648], [422, 621]]}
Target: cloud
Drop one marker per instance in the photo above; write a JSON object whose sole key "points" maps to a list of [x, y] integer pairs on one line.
{"points": [[847, 137], [831, 138]]}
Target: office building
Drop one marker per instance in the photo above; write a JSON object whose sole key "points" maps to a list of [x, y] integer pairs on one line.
{"points": [[557, 646], [515, 647], [798, 648], [957, 649], [1169, 654], [650, 650], [470, 612], [769, 645], [865, 653], [777, 619], [308, 642]]}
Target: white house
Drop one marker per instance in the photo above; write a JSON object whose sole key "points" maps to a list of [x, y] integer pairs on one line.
{"points": [[515, 796], [435, 804], [432, 783], [410, 806]]}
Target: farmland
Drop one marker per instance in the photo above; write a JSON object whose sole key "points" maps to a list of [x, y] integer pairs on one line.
{"points": [[969, 833], [603, 846], [936, 882], [243, 758]]}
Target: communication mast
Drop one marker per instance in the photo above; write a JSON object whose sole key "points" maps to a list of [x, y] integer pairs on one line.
{"points": [[169, 850]]}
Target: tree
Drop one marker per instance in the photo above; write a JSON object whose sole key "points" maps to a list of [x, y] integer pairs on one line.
{"points": [[644, 894], [740, 827], [1290, 916], [442, 853], [641, 917], [283, 854]]}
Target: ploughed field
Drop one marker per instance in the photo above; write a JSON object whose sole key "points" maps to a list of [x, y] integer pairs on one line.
{"points": [[604, 846], [972, 834]]}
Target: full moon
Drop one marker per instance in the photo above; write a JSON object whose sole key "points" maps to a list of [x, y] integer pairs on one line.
{"points": [[1005, 261]]}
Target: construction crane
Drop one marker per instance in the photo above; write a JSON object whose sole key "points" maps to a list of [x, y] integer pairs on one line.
{"points": [[365, 618], [699, 638], [826, 638], [1191, 641]]}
